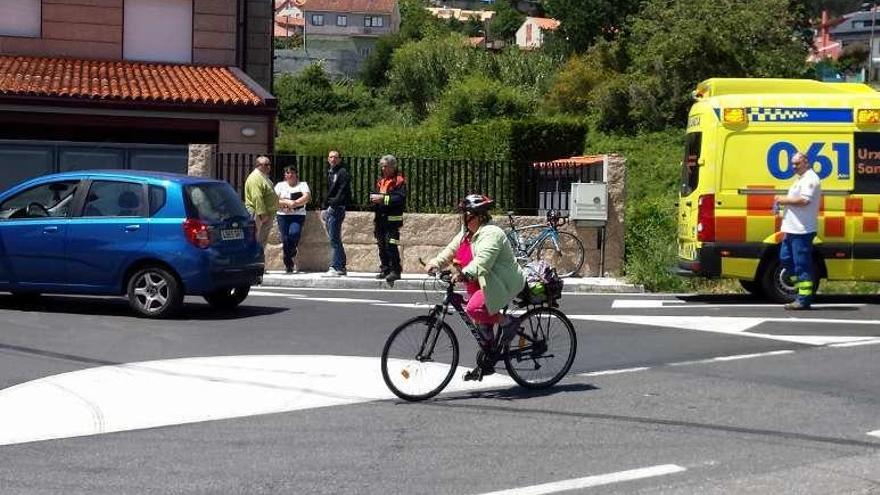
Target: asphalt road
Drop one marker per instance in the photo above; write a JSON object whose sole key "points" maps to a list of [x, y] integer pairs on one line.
{"points": [[668, 394]]}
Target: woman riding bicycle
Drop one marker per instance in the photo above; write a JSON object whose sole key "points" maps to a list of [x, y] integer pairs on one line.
{"points": [[486, 264]]}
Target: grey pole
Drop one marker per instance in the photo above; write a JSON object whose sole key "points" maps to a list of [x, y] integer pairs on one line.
{"points": [[871, 42]]}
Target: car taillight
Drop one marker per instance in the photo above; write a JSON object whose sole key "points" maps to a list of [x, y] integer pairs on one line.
{"points": [[706, 218], [197, 233]]}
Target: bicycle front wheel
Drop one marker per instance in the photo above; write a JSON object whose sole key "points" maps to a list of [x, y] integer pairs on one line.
{"points": [[565, 254], [419, 359], [543, 350]]}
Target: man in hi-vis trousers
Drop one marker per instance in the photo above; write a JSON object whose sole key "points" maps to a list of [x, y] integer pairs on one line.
{"points": [[389, 201], [799, 225]]}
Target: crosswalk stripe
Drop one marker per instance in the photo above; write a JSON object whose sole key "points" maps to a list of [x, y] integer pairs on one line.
{"points": [[591, 481]]}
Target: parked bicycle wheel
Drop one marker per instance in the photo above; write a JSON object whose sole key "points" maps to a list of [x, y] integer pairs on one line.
{"points": [[419, 358], [544, 350], [565, 254]]}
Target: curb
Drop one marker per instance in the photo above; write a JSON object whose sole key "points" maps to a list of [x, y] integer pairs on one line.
{"points": [[365, 281]]}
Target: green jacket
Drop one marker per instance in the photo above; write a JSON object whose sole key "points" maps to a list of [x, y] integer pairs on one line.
{"points": [[259, 194], [493, 265]]}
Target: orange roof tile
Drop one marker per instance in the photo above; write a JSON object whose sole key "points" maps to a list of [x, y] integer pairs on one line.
{"points": [[123, 81], [545, 23], [372, 6]]}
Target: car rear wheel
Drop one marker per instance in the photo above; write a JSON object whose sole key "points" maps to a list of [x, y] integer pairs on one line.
{"points": [[229, 297], [777, 287], [154, 292]]}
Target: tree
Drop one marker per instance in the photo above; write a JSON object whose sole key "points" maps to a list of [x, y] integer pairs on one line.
{"points": [[506, 20], [584, 21], [671, 53]]}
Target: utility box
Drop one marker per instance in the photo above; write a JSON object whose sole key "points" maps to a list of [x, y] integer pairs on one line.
{"points": [[589, 203]]}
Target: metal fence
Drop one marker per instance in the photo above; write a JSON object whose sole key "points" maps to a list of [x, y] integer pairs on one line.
{"points": [[433, 185]]}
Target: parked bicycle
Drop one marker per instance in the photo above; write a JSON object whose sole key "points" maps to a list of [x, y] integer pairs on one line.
{"points": [[420, 356], [562, 250]]}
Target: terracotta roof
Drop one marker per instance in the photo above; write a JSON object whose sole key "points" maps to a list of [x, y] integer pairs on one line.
{"points": [[123, 81], [573, 162], [283, 20], [545, 23], [373, 6]]}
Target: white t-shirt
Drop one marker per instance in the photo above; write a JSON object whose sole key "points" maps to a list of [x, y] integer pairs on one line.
{"points": [[803, 219], [285, 191]]}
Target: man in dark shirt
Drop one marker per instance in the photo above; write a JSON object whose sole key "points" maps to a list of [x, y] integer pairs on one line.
{"points": [[338, 199]]}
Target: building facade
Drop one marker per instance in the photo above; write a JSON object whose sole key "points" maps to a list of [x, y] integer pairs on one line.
{"points": [[132, 83]]}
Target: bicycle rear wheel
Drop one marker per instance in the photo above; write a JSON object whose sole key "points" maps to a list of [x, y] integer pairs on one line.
{"points": [[566, 254], [419, 359], [543, 350]]}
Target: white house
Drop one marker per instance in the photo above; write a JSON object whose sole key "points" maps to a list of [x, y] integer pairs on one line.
{"points": [[531, 34]]}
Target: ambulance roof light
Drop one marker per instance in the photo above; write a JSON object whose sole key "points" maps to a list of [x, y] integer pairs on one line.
{"points": [[734, 116], [868, 116]]}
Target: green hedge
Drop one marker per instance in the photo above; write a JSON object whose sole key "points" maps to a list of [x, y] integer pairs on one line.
{"points": [[501, 139]]}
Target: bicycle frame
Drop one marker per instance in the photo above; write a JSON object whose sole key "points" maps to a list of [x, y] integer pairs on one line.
{"points": [[527, 249]]}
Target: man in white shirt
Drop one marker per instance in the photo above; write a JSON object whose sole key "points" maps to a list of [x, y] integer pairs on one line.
{"points": [[799, 224]]}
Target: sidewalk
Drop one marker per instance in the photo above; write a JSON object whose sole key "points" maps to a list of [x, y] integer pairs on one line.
{"points": [[414, 282]]}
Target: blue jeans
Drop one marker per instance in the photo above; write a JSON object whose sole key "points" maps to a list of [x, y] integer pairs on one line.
{"points": [[335, 216], [796, 256], [290, 228]]}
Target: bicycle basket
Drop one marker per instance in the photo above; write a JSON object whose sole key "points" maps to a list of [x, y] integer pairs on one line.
{"points": [[543, 284]]}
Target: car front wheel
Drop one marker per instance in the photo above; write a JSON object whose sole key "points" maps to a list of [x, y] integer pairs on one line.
{"points": [[228, 298], [154, 292]]}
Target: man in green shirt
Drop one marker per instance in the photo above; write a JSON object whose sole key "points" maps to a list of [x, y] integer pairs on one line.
{"points": [[260, 198]]}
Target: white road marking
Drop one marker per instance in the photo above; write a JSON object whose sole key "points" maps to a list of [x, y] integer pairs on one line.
{"points": [[645, 303], [875, 433], [345, 300], [406, 305], [755, 355], [733, 325], [591, 481], [275, 294], [614, 372], [855, 344], [171, 392]]}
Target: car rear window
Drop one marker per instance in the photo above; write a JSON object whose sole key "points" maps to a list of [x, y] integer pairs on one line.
{"points": [[690, 169], [214, 202]]}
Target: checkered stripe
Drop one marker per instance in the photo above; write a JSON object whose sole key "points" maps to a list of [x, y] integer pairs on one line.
{"points": [[775, 114]]}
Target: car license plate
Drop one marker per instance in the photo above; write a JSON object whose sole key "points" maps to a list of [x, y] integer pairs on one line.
{"points": [[231, 234]]}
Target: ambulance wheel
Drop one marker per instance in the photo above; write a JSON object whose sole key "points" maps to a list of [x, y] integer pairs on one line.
{"points": [[776, 286], [753, 287]]}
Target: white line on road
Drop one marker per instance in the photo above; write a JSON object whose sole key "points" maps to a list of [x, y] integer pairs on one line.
{"points": [[645, 303], [591, 481], [679, 304], [614, 372], [875, 433], [275, 294], [855, 344], [750, 356]]}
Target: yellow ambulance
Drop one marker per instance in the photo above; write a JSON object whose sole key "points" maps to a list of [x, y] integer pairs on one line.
{"points": [[741, 135]]}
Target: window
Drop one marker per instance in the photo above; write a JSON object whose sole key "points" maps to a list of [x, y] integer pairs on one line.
{"points": [[20, 18], [373, 21], [114, 199], [690, 168], [157, 30], [47, 200], [317, 20], [157, 199], [214, 202], [342, 20], [364, 51]]}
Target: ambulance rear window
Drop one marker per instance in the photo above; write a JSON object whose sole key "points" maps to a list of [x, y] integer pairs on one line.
{"points": [[690, 171]]}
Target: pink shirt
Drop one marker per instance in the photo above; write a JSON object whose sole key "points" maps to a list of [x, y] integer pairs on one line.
{"points": [[463, 257]]}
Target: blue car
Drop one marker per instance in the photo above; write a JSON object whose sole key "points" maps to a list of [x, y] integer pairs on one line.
{"points": [[152, 237]]}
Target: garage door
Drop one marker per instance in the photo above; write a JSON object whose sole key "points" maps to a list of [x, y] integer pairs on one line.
{"points": [[22, 160]]}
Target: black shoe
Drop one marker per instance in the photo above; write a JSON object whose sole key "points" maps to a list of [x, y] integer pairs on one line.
{"points": [[796, 306], [288, 270], [475, 374], [392, 277], [382, 274]]}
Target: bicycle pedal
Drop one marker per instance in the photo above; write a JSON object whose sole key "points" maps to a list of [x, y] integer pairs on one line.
{"points": [[474, 375]]}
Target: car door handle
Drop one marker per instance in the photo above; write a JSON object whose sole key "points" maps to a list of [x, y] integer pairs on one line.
{"points": [[51, 229], [132, 228]]}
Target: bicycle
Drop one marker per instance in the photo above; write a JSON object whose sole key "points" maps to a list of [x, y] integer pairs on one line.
{"points": [[420, 356], [562, 250]]}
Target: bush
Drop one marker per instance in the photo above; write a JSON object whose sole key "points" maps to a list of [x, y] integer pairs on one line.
{"points": [[536, 139], [479, 99]]}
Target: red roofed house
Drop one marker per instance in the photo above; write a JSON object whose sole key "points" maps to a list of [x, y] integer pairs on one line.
{"points": [[531, 33], [288, 18], [132, 83]]}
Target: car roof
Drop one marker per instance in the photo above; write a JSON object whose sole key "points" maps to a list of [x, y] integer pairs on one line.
{"points": [[128, 174]]}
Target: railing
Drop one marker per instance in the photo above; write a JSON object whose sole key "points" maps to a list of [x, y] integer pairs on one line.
{"points": [[433, 185]]}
